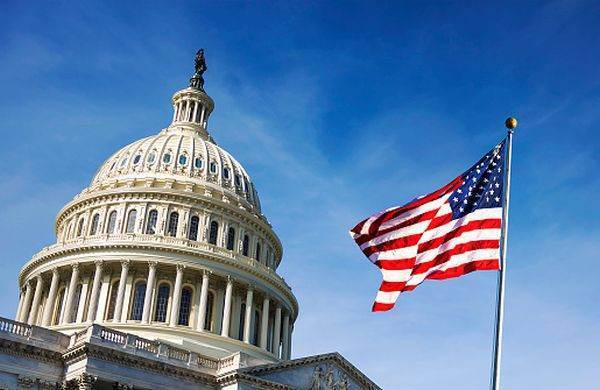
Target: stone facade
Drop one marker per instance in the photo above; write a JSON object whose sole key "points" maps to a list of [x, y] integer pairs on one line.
{"points": [[163, 275]]}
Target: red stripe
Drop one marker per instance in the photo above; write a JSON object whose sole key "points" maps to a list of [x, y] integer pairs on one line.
{"points": [[391, 286], [453, 185], [457, 250], [440, 221], [396, 264], [416, 219], [463, 269], [458, 231], [398, 243], [378, 306]]}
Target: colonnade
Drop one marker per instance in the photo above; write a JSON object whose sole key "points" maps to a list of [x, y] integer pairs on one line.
{"points": [[157, 294]]}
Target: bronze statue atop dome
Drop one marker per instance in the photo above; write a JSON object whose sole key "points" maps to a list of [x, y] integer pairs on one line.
{"points": [[197, 81]]}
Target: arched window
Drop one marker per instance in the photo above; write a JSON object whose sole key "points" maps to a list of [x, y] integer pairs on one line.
{"points": [[242, 321], [162, 301], [94, 227], [131, 221], [184, 306], [210, 302], [214, 230], [256, 327], [151, 224], [151, 157], [112, 222], [139, 293], [245, 245], [182, 159], [257, 254], [173, 219], [213, 167], [167, 158], [226, 173], [136, 159], [112, 301], [230, 238], [198, 162], [193, 233], [59, 306], [80, 228], [75, 305]]}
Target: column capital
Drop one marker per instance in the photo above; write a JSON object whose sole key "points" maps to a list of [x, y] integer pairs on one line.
{"points": [[250, 286], [206, 272], [75, 266], [180, 267], [230, 279], [152, 264], [125, 263], [55, 271], [99, 263], [38, 278]]}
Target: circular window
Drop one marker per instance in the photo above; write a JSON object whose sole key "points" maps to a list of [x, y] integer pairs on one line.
{"points": [[198, 162], [137, 159], [226, 173], [182, 159], [151, 157], [123, 162], [213, 167], [167, 158]]}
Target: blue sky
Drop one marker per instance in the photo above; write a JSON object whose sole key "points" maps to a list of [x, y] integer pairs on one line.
{"points": [[338, 110]]}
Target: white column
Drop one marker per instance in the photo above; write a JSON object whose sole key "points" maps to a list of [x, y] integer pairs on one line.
{"points": [[149, 288], [285, 346], [203, 301], [85, 283], [196, 305], [264, 323], [103, 298], [35, 305], [227, 308], [91, 314], [248, 315], [277, 331], [20, 306], [121, 290], [202, 117], [176, 296], [195, 111], [26, 302], [71, 294], [49, 307]]}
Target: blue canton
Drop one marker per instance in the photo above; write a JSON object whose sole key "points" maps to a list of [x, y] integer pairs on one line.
{"points": [[482, 184]]}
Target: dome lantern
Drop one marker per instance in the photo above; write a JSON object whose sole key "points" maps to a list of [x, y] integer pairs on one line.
{"points": [[192, 106]]}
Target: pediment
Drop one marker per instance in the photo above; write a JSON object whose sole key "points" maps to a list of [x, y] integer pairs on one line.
{"points": [[320, 372]]}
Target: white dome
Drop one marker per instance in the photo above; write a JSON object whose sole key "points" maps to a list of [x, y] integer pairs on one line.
{"points": [[182, 155]]}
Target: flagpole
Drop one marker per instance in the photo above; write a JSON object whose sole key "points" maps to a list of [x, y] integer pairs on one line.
{"points": [[511, 124]]}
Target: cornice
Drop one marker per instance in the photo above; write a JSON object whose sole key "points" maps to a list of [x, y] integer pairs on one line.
{"points": [[19, 348], [127, 359]]}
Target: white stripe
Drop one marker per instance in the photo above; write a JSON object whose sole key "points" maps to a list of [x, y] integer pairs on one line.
{"points": [[396, 275], [473, 235], [387, 297], [395, 254], [463, 258], [488, 213]]}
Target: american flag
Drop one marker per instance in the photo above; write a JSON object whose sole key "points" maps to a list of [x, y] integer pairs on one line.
{"points": [[451, 232]]}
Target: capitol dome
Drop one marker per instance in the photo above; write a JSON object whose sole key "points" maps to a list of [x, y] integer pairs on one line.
{"points": [[167, 243]]}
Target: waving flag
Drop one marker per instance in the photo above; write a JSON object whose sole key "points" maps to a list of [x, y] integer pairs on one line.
{"points": [[451, 232]]}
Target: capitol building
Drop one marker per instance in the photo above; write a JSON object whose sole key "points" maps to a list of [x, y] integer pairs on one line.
{"points": [[164, 275]]}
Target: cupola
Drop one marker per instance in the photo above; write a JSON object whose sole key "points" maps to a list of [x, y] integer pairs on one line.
{"points": [[192, 106]]}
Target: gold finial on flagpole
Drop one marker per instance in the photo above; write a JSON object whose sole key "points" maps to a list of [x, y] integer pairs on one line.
{"points": [[511, 123]]}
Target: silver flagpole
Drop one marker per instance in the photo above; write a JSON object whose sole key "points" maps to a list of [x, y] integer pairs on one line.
{"points": [[511, 124]]}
